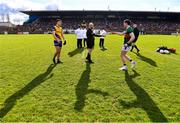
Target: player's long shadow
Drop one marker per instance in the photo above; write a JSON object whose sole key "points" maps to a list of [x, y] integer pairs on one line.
{"points": [[76, 51], [11, 100], [143, 100], [146, 59], [82, 89]]}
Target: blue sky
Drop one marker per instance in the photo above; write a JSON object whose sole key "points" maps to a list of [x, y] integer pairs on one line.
{"points": [[13, 6]]}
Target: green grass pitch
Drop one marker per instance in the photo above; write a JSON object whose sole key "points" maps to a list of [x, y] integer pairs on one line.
{"points": [[31, 89]]}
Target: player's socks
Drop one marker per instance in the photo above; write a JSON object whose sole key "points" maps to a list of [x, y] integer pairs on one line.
{"points": [[89, 60], [137, 49], [132, 48], [87, 57], [59, 61], [54, 60]]}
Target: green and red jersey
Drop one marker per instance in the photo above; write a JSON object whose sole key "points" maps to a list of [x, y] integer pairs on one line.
{"points": [[127, 36]]}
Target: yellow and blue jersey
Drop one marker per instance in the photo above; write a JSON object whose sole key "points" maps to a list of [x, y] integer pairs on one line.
{"points": [[58, 32]]}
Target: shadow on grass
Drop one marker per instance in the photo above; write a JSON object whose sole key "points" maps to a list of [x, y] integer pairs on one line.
{"points": [[82, 89], [143, 101], [146, 59], [11, 101], [76, 51], [175, 53]]}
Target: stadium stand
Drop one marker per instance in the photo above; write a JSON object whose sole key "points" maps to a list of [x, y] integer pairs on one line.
{"points": [[148, 22]]}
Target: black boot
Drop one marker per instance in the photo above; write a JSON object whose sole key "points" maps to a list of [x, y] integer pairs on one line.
{"points": [[90, 61], [88, 57], [59, 61]]}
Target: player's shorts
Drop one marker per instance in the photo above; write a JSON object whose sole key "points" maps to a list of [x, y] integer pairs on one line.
{"points": [[90, 45], [59, 44], [126, 48]]}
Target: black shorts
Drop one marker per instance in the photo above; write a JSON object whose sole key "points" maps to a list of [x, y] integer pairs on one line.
{"points": [[90, 45]]}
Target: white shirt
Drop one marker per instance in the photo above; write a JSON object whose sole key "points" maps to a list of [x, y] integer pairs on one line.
{"points": [[79, 33], [103, 33], [84, 33]]}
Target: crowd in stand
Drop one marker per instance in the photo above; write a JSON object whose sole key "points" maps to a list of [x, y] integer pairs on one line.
{"points": [[145, 26]]}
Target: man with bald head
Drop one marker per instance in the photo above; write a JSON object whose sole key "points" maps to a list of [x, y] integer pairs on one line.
{"points": [[90, 41]]}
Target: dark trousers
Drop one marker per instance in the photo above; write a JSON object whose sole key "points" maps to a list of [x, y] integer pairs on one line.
{"points": [[85, 42], [79, 43], [101, 43]]}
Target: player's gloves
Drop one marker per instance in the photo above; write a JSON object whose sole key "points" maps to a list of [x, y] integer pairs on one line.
{"points": [[64, 42]]}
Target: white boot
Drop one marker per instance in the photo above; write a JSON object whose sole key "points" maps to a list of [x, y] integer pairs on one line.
{"points": [[124, 68]]}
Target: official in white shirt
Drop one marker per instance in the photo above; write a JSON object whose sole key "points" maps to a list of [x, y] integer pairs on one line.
{"points": [[84, 36], [101, 43], [79, 33]]}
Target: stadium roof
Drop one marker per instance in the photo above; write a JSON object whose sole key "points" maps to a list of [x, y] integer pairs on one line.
{"points": [[170, 15], [42, 12]]}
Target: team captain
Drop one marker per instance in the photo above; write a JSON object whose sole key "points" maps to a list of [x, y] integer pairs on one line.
{"points": [[58, 37]]}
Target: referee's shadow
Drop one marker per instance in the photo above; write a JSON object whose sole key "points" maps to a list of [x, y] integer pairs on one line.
{"points": [[75, 52], [82, 89], [143, 100], [146, 59], [11, 100]]}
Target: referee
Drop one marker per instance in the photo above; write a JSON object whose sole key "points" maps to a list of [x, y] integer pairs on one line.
{"points": [[136, 34], [90, 41]]}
